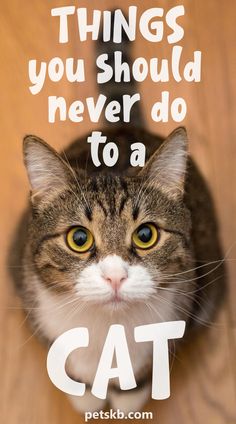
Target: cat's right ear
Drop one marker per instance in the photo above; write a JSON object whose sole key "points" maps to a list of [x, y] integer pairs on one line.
{"points": [[47, 172], [166, 168]]}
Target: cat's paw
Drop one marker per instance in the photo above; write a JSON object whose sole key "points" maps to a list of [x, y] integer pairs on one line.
{"points": [[87, 403], [130, 401]]}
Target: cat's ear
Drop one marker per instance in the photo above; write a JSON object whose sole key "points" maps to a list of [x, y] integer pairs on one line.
{"points": [[47, 171], [167, 166]]}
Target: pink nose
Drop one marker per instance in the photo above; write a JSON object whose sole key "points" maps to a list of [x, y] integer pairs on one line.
{"points": [[116, 278]]}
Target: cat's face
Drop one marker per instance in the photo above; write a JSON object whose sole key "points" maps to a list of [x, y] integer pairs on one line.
{"points": [[109, 240]]}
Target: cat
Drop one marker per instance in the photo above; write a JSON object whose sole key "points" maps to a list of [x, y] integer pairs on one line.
{"points": [[123, 245]]}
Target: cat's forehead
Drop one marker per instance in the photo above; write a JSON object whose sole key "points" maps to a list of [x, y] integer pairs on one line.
{"points": [[119, 201], [109, 204], [111, 193], [110, 184], [126, 197]]}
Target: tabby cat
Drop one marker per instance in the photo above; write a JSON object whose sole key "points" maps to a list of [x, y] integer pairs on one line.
{"points": [[130, 246]]}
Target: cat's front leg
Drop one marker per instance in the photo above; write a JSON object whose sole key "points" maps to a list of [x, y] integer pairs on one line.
{"points": [[87, 403], [130, 400]]}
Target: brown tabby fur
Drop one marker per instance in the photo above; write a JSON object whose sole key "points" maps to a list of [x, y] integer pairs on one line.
{"points": [[112, 198]]}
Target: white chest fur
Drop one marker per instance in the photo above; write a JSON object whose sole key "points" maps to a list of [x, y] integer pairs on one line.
{"points": [[56, 314]]}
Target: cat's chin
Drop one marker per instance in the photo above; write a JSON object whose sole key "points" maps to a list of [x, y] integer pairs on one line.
{"points": [[117, 303], [116, 306]]}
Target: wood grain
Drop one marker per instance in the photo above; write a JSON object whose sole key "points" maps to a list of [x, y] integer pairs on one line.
{"points": [[204, 374]]}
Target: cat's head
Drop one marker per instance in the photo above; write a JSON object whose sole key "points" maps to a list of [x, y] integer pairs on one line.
{"points": [[108, 239]]}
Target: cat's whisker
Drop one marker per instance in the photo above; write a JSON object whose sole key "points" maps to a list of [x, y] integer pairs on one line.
{"points": [[173, 354], [41, 308], [173, 290], [38, 328], [188, 295], [189, 314], [144, 185], [58, 300], [77, 308], [27, 317], [73, 173], [153, 309], [35, 333], [199, 276], [166, 277], [219, 261], [70, 302], [207, 284], [178, 307]]}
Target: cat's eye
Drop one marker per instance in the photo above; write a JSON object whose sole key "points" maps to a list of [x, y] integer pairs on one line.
{"points": [[145, 237], [79, 239]]}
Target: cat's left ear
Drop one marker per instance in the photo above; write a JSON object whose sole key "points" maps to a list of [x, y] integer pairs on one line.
{"points": [[166, 168], [48, 173]]}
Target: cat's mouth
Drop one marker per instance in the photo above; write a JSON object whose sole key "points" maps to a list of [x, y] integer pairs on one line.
{"points": [[116, 300]]}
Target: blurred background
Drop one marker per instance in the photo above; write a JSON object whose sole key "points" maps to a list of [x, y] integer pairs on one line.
{"points": [[203, 379]]}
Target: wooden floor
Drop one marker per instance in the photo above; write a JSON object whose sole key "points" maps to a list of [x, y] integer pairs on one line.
{"points": [[204, 376]]}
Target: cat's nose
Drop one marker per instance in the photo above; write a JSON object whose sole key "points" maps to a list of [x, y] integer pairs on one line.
{"points": [[116, 278], [114, 270]]}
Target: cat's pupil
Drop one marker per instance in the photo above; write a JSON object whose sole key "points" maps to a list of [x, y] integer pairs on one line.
{"points": [[145, 234], [80, 237]]}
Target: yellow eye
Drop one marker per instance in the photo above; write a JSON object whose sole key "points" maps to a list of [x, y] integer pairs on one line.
{"points": [[79, 239], [146, 236]]}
